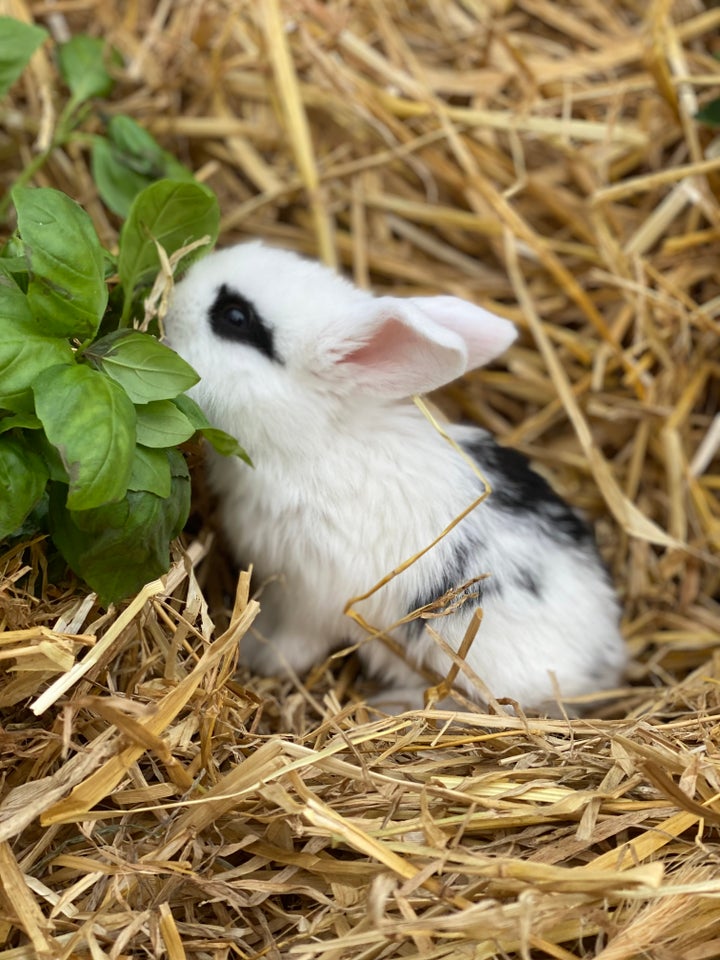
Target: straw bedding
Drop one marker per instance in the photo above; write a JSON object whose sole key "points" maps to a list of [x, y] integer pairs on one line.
{"points": [[541, 158]]}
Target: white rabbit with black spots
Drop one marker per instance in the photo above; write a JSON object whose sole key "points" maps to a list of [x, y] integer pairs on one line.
{"points": [[315, 376]]}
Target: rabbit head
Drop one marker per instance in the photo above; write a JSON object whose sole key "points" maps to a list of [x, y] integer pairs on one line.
{"points": [[285, 339]]}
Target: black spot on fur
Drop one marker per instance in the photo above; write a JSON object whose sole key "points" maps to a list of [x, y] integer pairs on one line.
{"points": [[234, 317], [462, 566], [518, 489], [527, 580]]}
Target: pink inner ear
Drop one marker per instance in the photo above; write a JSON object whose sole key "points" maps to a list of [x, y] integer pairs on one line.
{"points": [[389, 341], [404, 353]]}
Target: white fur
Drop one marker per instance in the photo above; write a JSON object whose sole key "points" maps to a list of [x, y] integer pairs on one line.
{"points": [[350, 480]]}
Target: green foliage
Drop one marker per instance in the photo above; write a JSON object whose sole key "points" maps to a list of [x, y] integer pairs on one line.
{"points": [[65, 262], [82, 65], [18, 42], [151, 471], [161, 424], [26, 350], [23, 476], [710, 113], [90, 421], [218, 439], [111, 544], [128, 159], [171, 213], [145, 369], [91, 412]]}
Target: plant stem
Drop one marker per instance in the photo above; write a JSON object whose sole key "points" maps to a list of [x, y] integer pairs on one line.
{"points": [[63, 134], [28, 173], [82, 348]]}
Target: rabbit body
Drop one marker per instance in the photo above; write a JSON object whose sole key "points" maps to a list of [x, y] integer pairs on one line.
{"points": [[350, 480]]}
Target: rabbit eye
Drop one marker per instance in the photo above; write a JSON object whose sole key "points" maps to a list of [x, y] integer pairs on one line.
{"points": [[234, 317], [239, 314]]}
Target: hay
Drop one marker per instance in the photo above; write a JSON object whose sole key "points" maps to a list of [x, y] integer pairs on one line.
{"points": [[539, 158]]}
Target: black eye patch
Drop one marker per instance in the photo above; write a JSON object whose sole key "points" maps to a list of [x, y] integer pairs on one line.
{"points": [[234, 317]]}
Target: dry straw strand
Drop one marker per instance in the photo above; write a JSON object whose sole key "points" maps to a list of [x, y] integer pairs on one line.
{"points": [[540, 159]]}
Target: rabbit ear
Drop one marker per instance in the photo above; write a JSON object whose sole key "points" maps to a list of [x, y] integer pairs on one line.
{"points": [[485, 334], [395, 350], [400, 347]]}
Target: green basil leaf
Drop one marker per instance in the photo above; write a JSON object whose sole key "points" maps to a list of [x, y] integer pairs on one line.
{"points": [[36, 521], [143, 153], [18, 42], [50, 456], [118, 184], [192, 411], [171, 212], [24, 421], [119, 547], [129, 160], [146, 369], [224, 443], [179, 509], [91, 422], [82, 62], [14, 270], [23, 477], [24, 351], [161, 424], [150, 471], [67, 289]]}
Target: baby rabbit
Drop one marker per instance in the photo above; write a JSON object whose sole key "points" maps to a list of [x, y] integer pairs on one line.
{"points": [[314, 376]]}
